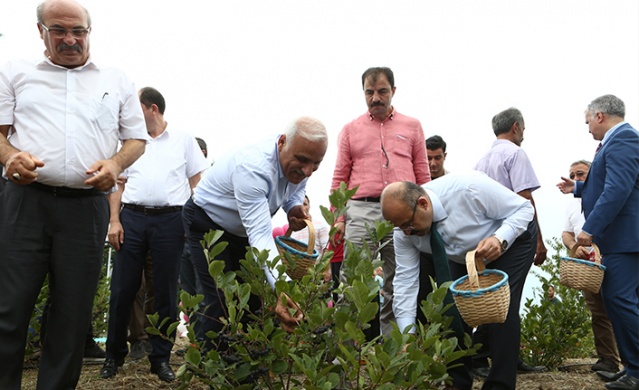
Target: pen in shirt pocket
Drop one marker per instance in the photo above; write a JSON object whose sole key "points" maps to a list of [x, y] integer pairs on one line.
{"points": [[105, 95]]}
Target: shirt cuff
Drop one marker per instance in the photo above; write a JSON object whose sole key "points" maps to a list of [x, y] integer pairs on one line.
{"points": [[403, 322]]}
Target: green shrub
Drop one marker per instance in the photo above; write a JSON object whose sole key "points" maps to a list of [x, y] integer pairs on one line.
{"points": [[552, 333], [328, 349]]}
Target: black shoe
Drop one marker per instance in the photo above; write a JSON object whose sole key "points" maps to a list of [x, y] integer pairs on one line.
{"points": [[481, 372], [110, 368], [163, 371], [605, 364], [611, 376], [523, 367], [626, 382], [94, 354]]}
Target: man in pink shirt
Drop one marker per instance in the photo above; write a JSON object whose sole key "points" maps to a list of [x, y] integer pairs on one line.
{"points": [[376, 149]]}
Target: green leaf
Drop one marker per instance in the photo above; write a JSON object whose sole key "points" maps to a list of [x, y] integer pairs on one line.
{"points": [[193, 356]]}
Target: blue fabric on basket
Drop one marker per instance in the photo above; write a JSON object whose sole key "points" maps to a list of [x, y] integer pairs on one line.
{"points": [[586, 262], [282, 241], [480, 291]]}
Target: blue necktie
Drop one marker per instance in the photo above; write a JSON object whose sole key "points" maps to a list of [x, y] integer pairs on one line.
{"points": [[442, 274]]}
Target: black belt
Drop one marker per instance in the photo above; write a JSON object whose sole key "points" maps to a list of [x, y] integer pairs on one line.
{"points": [[151, 210], [368, 199], [66, 192]]}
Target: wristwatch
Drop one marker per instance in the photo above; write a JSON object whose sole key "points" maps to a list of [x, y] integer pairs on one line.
{"points": [[504, 243]]}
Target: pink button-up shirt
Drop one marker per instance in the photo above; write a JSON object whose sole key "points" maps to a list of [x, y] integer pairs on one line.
{"points": [[373, 154]]}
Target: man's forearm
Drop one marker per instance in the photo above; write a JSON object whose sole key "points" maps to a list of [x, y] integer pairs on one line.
{"points": [[131, 150]]}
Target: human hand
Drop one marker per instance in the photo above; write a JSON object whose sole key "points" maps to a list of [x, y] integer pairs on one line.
{"points": [[581, 252], [115, 234], [287, 320], [566, 186], [584, 239], [540, 253], [338, 238], [296, 217], [21, 168], [489, 248], [105, 174]]}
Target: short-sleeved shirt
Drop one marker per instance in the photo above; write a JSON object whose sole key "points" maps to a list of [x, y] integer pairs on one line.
{"points": [[508, 164], [68, 118]]}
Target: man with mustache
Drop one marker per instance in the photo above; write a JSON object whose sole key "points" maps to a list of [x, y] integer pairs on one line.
{"points": [[376, 149], [239, 194], [61, 118], [605, 344]]}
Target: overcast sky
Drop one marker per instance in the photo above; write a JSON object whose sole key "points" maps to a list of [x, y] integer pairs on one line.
{"points": [[233, 72]]}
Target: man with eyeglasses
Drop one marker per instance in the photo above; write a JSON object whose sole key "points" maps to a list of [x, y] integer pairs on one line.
{"points": [[601, 327], [469, 211], [61, 119], [380, 147]]}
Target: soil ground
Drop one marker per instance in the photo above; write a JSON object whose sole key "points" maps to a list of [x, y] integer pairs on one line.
{"points": [[575, 374]]}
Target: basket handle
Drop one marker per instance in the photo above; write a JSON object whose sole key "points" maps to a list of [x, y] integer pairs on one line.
{"points": [[311, 236], [474, 263], [594, 246]]}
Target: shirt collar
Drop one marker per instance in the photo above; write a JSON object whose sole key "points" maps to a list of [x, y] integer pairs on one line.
{"points": [[88, 64], [390, 117], [611, 131], [439, 213]]}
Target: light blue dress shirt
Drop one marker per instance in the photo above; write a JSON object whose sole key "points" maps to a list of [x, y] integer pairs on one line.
{"points": [[244, 189], [508, 164], [467, 207]]}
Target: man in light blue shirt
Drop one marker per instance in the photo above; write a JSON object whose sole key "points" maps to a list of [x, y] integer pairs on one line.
{"points": [[239, 194], [472, 212]]}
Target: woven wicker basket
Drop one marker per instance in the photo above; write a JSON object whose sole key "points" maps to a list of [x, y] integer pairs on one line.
{"points": [[296, 255], [581, 274], [481, 298]]}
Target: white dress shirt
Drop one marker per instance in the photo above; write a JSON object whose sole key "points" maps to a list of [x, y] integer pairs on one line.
{"points": [[467, 207], [244, 189], [68, 118], [160, 177]]}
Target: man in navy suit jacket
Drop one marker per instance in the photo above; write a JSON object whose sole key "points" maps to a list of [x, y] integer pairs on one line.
{"points": [[610, 201]]}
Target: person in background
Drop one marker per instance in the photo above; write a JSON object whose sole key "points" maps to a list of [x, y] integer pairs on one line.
{"points": [[379, 147], [508, 164], [436, 151], [604, 336], [610, 201], [189, 280], [238, 195], [61, 119], [551, 295], [146, 219], [321, 230]]}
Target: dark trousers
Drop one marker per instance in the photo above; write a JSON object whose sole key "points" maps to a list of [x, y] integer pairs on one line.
{"points": [[620, 293], [142, 305], [41, 233], [196, 224], [190, 283], [505, 338], [162, 236]]}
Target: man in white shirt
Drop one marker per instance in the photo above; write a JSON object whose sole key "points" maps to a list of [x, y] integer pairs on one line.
{"points": [[471, 212], [602, 331], [239, 194], [146, 216], [61, 117]]}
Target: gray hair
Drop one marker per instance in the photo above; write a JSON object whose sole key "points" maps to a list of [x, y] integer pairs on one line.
{"points": [[503, 121], [585, 162], [609, 105], [307, 128], [40, 11]]}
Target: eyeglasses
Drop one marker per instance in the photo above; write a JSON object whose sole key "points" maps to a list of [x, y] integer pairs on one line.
{"points": [[60, 32], [409, 224]]}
